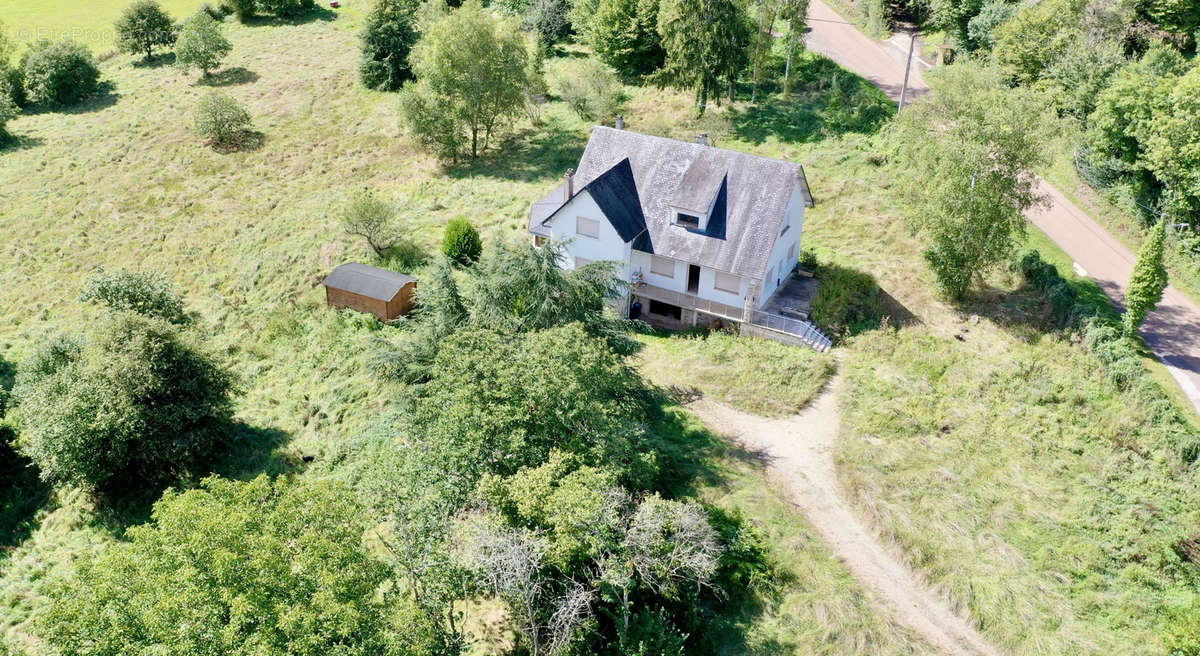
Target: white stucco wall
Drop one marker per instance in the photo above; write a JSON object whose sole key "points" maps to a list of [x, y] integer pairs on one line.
{"points": [[779, 254], [608, 246], [641, 263]]}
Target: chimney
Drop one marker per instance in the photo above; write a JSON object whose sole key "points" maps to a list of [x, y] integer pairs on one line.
{"points": [[569, 189], [702, 139], [620, 122]]}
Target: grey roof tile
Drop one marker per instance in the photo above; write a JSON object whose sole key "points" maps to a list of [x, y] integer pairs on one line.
{"points": [[368, 281]]}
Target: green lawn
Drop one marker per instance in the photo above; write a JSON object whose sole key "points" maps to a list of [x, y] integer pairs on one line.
{"points": [[90, 22]]}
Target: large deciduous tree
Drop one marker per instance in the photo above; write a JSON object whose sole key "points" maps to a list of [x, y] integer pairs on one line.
{"points": [[967, 153], [387, 39], [706, 43], [473, 74], [624, 35], [1171, 140], [201, 44], [264, 568], [143, 26]]}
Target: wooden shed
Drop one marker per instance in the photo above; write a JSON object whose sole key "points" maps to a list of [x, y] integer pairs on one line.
{"points": [[385, 294]]}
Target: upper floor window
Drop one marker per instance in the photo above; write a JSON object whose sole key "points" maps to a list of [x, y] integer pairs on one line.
{"points": [[587, 227], [687, 220], [581, 262], [727, 282], [662, 266]]}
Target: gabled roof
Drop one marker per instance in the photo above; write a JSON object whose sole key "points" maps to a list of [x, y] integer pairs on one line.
{"points": [[369, 281], [701, 182], [616, 193], [754, 195]]}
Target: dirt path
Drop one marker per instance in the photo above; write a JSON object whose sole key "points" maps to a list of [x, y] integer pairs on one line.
{"points": [[1172, 331], [799, 452]]}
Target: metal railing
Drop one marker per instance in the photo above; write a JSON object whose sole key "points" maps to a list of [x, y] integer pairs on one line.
{"points": [[690, 301], [807, 332]]}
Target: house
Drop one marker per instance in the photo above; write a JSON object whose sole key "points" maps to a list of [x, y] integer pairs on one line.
{"points": [[703, 234], [385, 294]]}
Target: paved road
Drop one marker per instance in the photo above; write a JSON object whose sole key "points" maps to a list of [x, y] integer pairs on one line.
{"points": [[1172, 331]]}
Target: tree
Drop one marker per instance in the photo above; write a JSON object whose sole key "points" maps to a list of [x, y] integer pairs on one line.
{"points": [[549, 20], [795, 13], [706, 42], [1148, 281], [146, 293], [221, 120], [372, 219], [8, 110], [461, 244], [244, 10], [432, 120], [261, 568], [134, 402], [474, 65], [387, 39], [201, 44], [1178, 16], [590, 88], [624, 35], [287, 9], [144, 25], [968, 151], [59, 72], [1171, 144], [1036, 35], [1126, 108], [439, 312]]}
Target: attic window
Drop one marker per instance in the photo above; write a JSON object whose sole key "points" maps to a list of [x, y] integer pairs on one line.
{"points": [[687, 220], [587, 227]]}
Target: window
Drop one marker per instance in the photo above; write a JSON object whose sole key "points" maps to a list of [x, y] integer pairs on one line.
{"points": [[662, 266], [687, 220], [539, 240], [587, 227], [581, 261], [791, 252], [727, 282], [785, 229], [666, 310]]}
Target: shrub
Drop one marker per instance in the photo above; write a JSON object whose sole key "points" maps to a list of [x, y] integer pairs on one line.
{"points": [[242, 9], [387, 39], [288, 9], [8, 111], [265, 567], [461, 243], [143, 26], [201, 44], [372, 219], [590, 88], [847, 301], [221, 120], [808, 260], [146, 293], [13, 81], [132, 403], [59, 72]]}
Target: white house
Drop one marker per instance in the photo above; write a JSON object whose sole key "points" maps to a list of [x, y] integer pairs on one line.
{"points": [[703, 234]]}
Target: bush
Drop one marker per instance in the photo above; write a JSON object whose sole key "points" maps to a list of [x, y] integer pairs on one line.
{"points": [[8, 111], [201, 44], [243, 10], [387, 39], [590, 88], [221, 120], [288, 9], [266, 567], [59, 72], [146, 293], [143, 26], [13, 80], [461, 243], [132, 403], [372, 219], [847, 301]]}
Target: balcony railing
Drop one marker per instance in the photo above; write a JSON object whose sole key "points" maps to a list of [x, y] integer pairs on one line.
{"points": [[690, 302]]}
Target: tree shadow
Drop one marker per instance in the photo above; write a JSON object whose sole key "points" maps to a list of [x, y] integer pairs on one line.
{"points": [[22, 495], [229, 77], [531, 155], [243, 141], [15, 142], [245, 452], [850, 302], [317, 13], [826, 101], [404, 256], [156, 61], [106, 96]]}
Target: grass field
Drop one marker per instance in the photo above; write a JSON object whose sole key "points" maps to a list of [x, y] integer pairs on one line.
{"points": [[123, 181], [90, 23]]}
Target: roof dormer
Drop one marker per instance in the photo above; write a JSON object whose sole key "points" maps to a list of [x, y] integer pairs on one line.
{"points": [[696, 197]]}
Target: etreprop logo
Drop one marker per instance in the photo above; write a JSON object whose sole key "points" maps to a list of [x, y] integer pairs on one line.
{"points": [[81, 34]]}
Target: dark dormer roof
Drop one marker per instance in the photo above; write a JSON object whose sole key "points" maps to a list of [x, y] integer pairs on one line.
{"points": [[617, 195], [369, 281]]}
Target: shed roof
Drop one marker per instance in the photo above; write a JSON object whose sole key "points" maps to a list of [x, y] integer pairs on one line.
{"points": [[369, 281], [754, 192]]}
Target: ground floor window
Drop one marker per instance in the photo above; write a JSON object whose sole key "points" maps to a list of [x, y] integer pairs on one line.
{"points": [[666, 310]]}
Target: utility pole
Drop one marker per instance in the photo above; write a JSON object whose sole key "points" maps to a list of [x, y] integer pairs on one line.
{"points": [[912, 40]]}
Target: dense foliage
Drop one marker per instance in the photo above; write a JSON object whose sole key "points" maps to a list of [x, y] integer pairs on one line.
{"points": [[590, 88], [144, 292], [131, 402], [461, 243], [975, 144], [624, 35], [373, 219], [221, 120], [1148, 280], [472, 73], [201, 44], [387, 38], [143, 26], [59, 72], [264, 568], [706, 44]]}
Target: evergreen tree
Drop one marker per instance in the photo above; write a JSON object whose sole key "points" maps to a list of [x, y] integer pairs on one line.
{"points": [[706, 42], [387, 38], [624, 35], [1149, 279]]}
